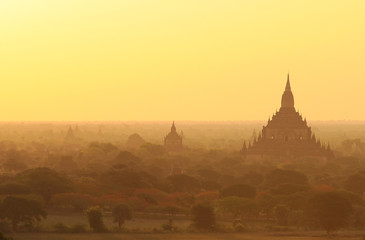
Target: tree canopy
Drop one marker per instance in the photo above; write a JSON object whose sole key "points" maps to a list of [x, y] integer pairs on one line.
{"points": [[21, 211], [45, 182], [330, 209], [121, 212], [239, 190]]}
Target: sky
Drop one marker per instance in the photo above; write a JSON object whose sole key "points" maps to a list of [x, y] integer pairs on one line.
{"points": [[206, 60]]}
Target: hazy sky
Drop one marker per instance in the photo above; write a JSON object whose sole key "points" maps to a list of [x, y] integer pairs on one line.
{"points": [[180, 60]]}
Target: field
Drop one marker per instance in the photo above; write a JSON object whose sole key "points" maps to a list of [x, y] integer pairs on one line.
{"points": [[141, 223], [146, 226], [179, 236]]}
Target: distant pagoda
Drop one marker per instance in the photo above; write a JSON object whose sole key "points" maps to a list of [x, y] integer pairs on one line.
{"points": [[173, 141], [286, 136], [70, 134]]}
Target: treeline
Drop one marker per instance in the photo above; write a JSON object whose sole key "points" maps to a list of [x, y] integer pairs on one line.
{"points": [[217, 190]]}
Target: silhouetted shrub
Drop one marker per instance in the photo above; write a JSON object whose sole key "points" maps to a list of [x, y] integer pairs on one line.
{"points": [[330, 210], [2, 237], [121, 212], [22, 211], [203, 217], [238, 226], [282, 215], [5, 226], [95, 218]]}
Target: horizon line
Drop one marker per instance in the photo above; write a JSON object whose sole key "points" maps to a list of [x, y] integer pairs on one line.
{"points": [[106, 121]]}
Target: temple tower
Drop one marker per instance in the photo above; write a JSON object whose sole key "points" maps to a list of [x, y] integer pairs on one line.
{"points": [[173, 141], [286, 134]]}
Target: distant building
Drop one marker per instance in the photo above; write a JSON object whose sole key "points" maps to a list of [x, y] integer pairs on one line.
{"points": [[135, 141], [286, 135], [173, 141], [70, 134]]}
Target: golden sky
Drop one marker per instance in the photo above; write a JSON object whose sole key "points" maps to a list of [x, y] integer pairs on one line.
{"points": [[180, 60]]}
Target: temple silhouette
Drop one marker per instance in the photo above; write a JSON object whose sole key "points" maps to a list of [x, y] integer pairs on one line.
{"points": [[173, 141], [286, 136]]}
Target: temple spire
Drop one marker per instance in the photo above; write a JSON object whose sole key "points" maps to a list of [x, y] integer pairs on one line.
{"points": [[173, 128], [287, 87], [287, 100]]}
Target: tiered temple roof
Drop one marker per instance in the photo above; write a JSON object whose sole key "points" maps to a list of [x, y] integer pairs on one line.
{"points": [[173, 141], [286, 135]]}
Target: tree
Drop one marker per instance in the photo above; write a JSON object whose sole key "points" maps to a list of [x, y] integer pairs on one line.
{"points": [[154, 149], [239, 190], [210, 185], [206, 197], [21, 210], [78, 201], [121, 212], [45, 182], [14, 188], [208, 174], [95, 218], [105, 147], [203, 217], [330, 210], [288, 188], [280, 176], [238, 206], [2, 237], [252, 178], [127, 158], [266, 203], [282, 214], [14, 165], [183, 183], [117, 178], [355, 183]]}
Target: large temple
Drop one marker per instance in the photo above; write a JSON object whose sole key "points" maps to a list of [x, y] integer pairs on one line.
{"points": [[173, 141], [286, 135]]}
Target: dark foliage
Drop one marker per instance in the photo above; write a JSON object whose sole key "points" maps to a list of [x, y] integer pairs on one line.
{"points": [[154, 149], [210, 185], [120, 177], [208, 174], [183, 183], [238, 190], [14, 188], [282, 215], [121, 212], [2, 237], [127, 158], [280, 176], [22, 211], [203, 217], [45, 182], [252, 178], [355, 183], [288, 188], [95, 218], [105, 147], [330, 209]]}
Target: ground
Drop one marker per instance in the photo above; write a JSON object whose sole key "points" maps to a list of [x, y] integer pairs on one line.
{"points": [[177, 236], [147, 224], [144, 224]]}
